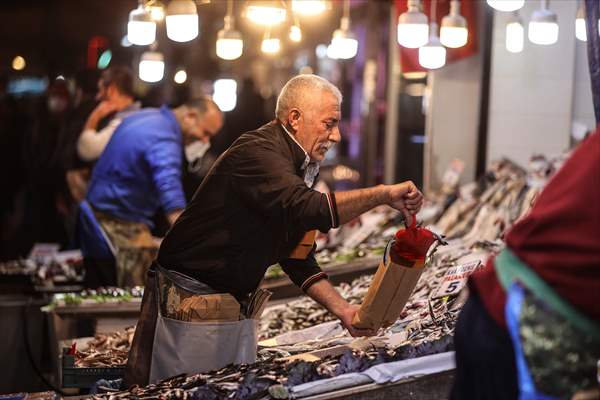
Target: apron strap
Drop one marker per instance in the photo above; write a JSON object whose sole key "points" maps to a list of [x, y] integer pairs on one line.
{"points": [[509, 268]]}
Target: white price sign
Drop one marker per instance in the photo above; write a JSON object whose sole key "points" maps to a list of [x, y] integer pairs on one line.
{"points": [[455, 279]]}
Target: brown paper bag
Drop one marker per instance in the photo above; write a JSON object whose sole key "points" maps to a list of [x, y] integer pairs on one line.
{"points": [[209, 307], [390, 289], [305, 246]]}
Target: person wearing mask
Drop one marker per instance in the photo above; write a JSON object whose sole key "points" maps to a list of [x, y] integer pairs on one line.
{"points": [[116, 100], [251, 211], [195, 149], [138, 174]]}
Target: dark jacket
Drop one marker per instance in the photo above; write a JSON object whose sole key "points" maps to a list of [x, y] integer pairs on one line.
{"points": [[250, 212]]}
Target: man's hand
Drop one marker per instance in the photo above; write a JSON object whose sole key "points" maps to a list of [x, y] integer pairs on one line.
{"points": [[326, 295], [346, 315], [405, 197], [104, 108]]}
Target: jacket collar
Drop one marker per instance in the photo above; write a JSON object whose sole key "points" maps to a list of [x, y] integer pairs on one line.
{"points": [[300, 157]]}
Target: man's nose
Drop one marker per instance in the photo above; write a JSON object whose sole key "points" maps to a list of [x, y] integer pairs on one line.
{"points": [[335, 136]]}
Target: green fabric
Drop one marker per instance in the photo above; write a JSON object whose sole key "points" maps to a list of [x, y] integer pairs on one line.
{"points": [[510, 268]]}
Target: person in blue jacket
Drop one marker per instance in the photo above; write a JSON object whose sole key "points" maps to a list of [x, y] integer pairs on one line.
{"points": [[138, 174]]}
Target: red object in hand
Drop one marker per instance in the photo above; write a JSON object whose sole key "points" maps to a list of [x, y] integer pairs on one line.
{"points": [[73, 349], [413, 242]]}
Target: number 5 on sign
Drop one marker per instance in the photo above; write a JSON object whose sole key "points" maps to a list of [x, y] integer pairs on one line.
{"points": [[455, 279]]}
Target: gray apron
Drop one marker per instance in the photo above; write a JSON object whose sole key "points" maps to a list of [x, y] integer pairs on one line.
{"points": [[194, 347]]}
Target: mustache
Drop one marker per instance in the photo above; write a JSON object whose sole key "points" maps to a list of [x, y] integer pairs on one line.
{"points": [[327, 146]]}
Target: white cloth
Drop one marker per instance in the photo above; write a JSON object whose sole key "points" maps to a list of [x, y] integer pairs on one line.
{"points": [[380, 374], [194, 347], [91, 143], [194, 153]]}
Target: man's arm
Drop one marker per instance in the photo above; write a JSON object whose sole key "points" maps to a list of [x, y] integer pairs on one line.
{"points": [[173, 215], [102, 110], [91, 143], [403, 196], [326, 295]]}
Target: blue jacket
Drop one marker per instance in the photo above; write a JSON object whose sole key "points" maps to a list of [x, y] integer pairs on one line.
{"points": [[139, 171]]}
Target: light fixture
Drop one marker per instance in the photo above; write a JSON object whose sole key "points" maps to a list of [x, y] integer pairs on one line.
{"points": [[308, 7], [18, 63], [180, 76], [543, 27], [182, 20], [515, 33], [343, 43], [156, 10], [506, 5], [295, 33], [270, 45], [225, 94], [580, 28], [152, 66], [229, 41], [266, 12], [413, 30], [454, 32], [433, 54], [141, 29], [125, 42]]}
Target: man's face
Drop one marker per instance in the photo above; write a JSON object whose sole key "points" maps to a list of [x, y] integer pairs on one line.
{"points": [[204, 127], [317, 126]]}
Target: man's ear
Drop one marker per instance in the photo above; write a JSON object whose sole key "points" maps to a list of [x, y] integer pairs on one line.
{"points": [[294, 118]]}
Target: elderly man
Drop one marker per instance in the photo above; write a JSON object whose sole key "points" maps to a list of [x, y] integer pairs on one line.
{"points": [[250, 212], [138, 174]]}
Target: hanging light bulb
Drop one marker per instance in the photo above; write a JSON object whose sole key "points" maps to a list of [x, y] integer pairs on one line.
{"points": [[225, 94], [580, 28], [152, 66], [308, 7], [295, 33], [270, 45], [506, 5], [180, 77], [266, 13], [454, 32], [18, 63], [413, 31], [433, 54], [515, 33], [229, 41], [182, 20], [343, 43], [156, 10], [543, 27], [141, 29]]}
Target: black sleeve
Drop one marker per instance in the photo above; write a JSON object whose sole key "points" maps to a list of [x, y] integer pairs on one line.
{"points": [[304, 273], [266, 180]]}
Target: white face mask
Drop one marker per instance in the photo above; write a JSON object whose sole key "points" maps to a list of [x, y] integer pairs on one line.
{"points": [[195, 151]]}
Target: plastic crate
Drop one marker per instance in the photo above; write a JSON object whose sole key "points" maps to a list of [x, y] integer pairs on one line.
{"points": [[85, 378]]}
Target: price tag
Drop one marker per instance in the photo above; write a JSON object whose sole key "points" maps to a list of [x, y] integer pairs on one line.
{"points": [[455, 279], [43, 252]]}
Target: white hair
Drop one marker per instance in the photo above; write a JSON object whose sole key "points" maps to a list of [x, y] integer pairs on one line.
{"points": [[301, 88]]}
